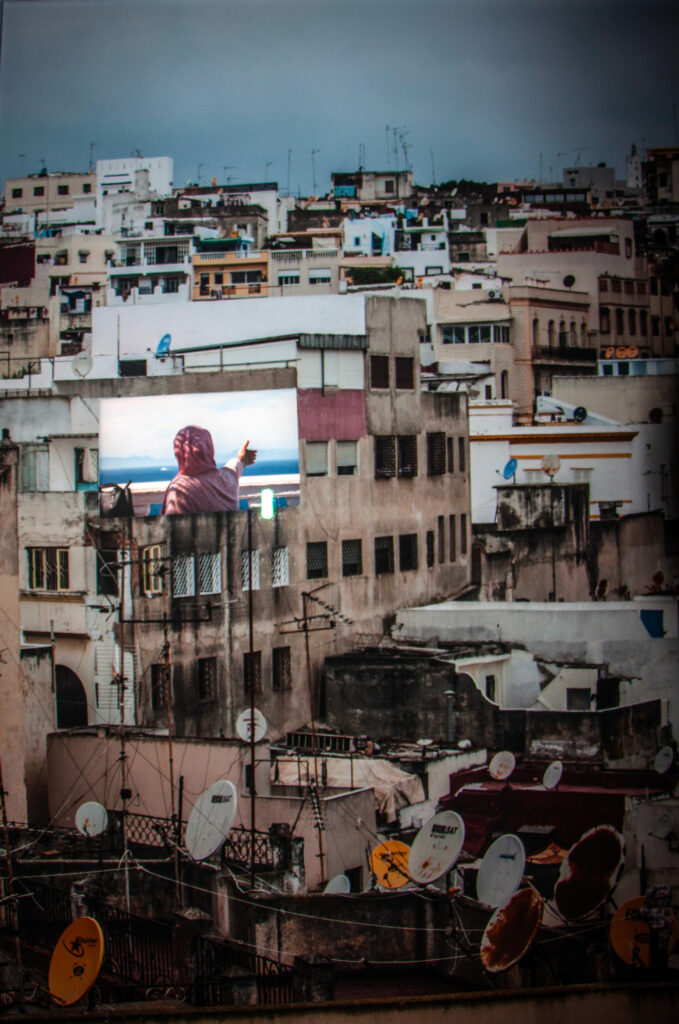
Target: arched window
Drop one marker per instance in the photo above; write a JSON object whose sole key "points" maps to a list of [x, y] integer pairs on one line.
{"points": [[573, 333], [536, 332], [550, 333], [504, 384], [71, 699], [583, 334], [563, 337], [619, 321], [632, 321]]}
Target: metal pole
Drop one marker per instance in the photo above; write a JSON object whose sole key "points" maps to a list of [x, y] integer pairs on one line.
{"points": [[167, 678], [121, 703], [251, 637], [314, 739]]}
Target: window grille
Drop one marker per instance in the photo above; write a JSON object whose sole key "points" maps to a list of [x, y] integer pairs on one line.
{"points": [[252, 671], [352, 562], [316, 560], [210, 573], [407, 545], [436, 454], [245, 569], [407, 455], [384, 555], [48, 568], [280, 567], [183, 577], [282, 672], [385, 456], [107, 572], [207, 679], [151, 574]]}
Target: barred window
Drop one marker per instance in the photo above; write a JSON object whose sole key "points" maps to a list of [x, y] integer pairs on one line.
{"points": [[159, 679], [407, 551], [384, 555], [352, 561], [407, 455], [436, 453], [183, 576], [280, 567], [385, 456], [405, 373], [252, 671], [347, 458], [316, 458], [281, 670], [210, 573], [245, 569], [316, 560], [379, 371], [48, 568], [207, 679], [151, 570], [107, 571], [35, 467]]}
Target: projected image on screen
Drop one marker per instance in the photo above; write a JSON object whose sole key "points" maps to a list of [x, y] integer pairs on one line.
{"points": [[195, 453]]}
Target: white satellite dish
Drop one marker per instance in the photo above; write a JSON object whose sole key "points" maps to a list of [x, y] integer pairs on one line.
{"points": [[338, 884], [436, 847], [91, 819], [501, 871], [664, 826], [663, 760], [551, 464], [82, 363], [246, 724], [552, 776], [211, 819], [502, 765]]}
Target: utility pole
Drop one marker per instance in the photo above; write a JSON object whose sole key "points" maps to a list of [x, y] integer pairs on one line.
{"points": [[251, 686], [167, 685], [124, 791], [289, 155], [313, 168]]}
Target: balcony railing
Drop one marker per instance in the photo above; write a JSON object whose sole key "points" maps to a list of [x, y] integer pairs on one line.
{"points": [[567, 354], [223, 255], [296, 255]]}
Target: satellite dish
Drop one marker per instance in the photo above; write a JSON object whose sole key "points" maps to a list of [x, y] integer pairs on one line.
{"points": [[579, 414], [389, 864], [589, 872], [76, 961], [246, 724], [91, 819], [510, 469], [552, 776], [568, 281], [436, 847], [424, 742], [82, 363], [551, 464], [511, 930], [338, 884], [502, 765], [164, 345], [664, 826], [630, 934], [663, 760], [500, 871], [211, 819], [655, 415]]}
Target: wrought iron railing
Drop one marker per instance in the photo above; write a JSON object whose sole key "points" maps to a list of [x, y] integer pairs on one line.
{"points": [[274, 980], [238, 845]]}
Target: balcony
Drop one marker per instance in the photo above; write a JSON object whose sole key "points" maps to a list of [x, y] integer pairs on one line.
{"points": [[566, 354], [226, 255], [229, 291], [297, 255]]}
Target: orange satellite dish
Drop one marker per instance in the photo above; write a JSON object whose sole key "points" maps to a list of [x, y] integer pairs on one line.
{"points": [[389, 864], [631, 934], [76, 961]]}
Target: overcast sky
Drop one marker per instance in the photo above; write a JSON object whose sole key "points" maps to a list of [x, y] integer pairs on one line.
{"points": [[482, 87]]}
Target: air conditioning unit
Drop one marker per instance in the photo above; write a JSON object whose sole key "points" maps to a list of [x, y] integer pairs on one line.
{"points": [[492, 295]]}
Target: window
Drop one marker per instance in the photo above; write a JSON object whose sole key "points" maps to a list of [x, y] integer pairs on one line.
{"points": [[463, 533], [490, 687], [290, 277], [603, 284], [347, 458], [83, 256], [407, 552], [504, 384], [405, 373], [159, 674], [183, 581], [536, 332], [629, 287], [151, 571], [577, 699], [632, 321], [39, 190], [641, 287], [280, 567], [461, 455], [316, 458], [451, 454], [281, 671], [619, 321], [249, 558], [207, 679], [34, 467], [246, 276], [550, 334], [501, 334], [655, 326], [643, 323], [385, 456], [431, 549], [604, 320], [479, 334], [252, 672], [616, 285], [62, 190], [384, 555], [623, 369], [87, 187], [320, 276], [171, 285], [436, 454], [533, 476], [654, 286], [430, 271], [210, 573], [86, 468], [219, 278], [581, 476], [407, 455], [48, 568], [442, 538], [17, 193], [451, 335], [379, 371], [389, 185], [628, 248], [107, 571], [317, 560], [452, 548], [352, 561]]}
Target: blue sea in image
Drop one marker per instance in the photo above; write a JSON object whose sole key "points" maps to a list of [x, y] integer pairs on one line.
{"points": [[158, 474]]}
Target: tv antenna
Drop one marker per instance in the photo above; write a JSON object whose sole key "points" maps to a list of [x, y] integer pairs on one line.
{"points": [[313, 168]]}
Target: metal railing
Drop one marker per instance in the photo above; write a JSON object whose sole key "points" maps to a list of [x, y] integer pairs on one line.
{"points": [[297, 255], [274, 980], [568, 354]]}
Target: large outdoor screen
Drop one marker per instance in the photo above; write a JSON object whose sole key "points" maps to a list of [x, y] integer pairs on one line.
{"points": [[193, 453]]}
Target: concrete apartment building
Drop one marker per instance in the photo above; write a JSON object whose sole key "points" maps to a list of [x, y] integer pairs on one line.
{"points": [[47, 191], [368, 188]]}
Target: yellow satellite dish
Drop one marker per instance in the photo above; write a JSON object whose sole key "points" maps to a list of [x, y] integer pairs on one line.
{"points": [[389, 864], [76, 961]]}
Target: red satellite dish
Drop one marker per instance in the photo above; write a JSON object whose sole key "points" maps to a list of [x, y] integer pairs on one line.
{"points": [[589, 872], [511, 930]]}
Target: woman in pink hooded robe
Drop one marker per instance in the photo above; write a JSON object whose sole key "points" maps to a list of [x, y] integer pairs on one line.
{"points": [[200, 486]]}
